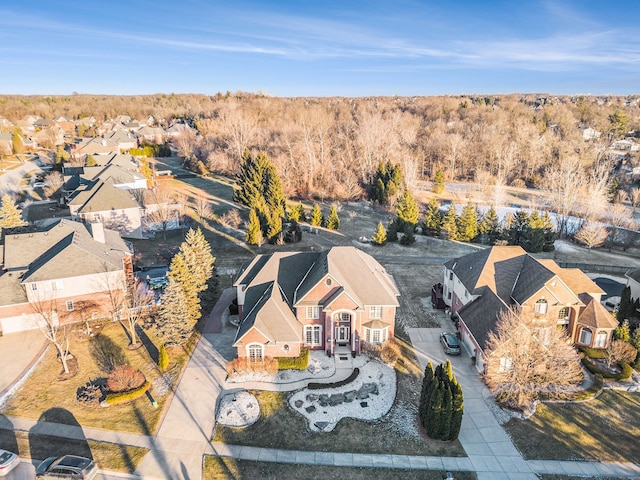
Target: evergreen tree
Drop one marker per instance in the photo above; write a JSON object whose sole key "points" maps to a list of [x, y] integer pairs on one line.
{"points": [[532, 239], [432, 218], [198, 257], [316, 216], [10, 214], [380, 235], [407, 212], [386, 183], [517, 226], [441, 403], [450, 223], [622, 331], [174, 321], [468, 223], [254, 233], [392, 231], [274, 225], [549, 233], [490, 226], [438, 182], [333, 222], [625, 308], [91, 161], [179, 272], [298, 214]]}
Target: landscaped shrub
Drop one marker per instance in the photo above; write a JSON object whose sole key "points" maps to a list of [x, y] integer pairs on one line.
{"points": [[349, 379], [242, 366], [597, 353], [388, 352], [625, 371], [163, 358], [123, 397], [294, 363], [124, 378]]}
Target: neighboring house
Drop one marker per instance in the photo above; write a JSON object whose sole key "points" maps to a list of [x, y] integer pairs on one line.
{"points": [[6, 143], [633, 282], [478, 286], [151, 135], [589, 133], [331, 300], [122, 139], [102, 201], [49, 137], [92, 146], [177, 129], [66, 271]]}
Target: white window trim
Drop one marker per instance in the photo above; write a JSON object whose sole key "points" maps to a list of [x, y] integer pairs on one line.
{"points": [[313, 312], [585, 331], [375, 311], [253, 346], [315, 331], [382, 335], [599, 337], [541, 307], [70, 306], [34, 287]]}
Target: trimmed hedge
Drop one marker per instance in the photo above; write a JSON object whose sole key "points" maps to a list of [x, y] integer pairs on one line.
{"points": [[625, 373], [294, 363], [349, 379], [597, 353], [123, 397]]}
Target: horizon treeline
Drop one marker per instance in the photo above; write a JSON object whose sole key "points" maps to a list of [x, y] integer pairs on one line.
{"points": [[330, 147]]}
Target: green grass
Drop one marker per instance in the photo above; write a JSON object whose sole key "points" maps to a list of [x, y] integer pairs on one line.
{"points": [[43, 396], [222, 468], [605, 429], [109, 456]]}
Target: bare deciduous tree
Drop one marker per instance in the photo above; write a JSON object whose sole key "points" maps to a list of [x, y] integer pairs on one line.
{"points": [[526, 357], [46, 309], [54, 182], [591, 235], [162, 208], [620, 351]]}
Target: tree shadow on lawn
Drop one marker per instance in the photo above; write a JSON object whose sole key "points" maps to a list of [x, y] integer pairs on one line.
{"points": [[43, 444], [8, 440], [106, 353]]}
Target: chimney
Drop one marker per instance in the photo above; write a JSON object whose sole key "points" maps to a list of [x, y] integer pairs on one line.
{"points": [[97, 231]]}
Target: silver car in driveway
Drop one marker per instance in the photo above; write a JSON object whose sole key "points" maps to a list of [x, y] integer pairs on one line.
{"points": [[450, 343]]}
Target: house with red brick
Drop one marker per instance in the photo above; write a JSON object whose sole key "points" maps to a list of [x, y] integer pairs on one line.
{"points": [[331, 300], [479, 286]]}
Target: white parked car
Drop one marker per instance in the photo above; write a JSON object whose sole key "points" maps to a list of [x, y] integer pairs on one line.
{"points": [[39, 185], [8, 461], [611, 303]]}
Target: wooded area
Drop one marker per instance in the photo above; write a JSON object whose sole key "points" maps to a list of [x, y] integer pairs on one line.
{"points": [[330, 148]]}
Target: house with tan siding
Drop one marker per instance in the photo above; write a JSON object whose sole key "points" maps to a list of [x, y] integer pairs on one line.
{"points": [[332, 300], [477, 287], [69, 266]]}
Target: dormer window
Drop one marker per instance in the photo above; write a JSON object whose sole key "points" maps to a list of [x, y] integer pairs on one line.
{"points": [[540, 307]]}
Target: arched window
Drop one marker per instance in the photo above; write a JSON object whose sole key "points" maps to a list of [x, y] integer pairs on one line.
{"points": [[563, 315], [255, 352], [540, 308], [585, 336]]}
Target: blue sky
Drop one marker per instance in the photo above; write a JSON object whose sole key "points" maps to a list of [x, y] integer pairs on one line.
{"points": [[319, 48]]}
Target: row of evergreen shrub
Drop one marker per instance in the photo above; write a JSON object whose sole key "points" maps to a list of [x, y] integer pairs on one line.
{"points": [[123, 397], [294, 363]]}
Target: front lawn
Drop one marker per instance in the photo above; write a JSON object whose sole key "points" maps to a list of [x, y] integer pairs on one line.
{"points": [[222, 468], [43, 397], [397, 432], [605, 429]]}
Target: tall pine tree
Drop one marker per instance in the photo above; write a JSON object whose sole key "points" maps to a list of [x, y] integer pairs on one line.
{"points": [[10, 214], [316, 216], [380, 235], [450, 223], [432, 218], [468, 223], [333, 222], [254, 233], [490, 227]]}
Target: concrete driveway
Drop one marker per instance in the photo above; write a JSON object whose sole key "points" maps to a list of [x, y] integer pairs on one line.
{"points": [[18, 352]]}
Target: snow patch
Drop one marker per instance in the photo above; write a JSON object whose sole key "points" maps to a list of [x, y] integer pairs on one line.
{"points": [[239, 409]]}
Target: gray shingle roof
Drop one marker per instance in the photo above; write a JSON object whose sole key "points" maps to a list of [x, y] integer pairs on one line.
{"points": [[533, 276], [102, 196], [64, 249], [481, 315]]}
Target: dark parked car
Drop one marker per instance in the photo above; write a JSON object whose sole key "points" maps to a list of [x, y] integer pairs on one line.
{"points": [[67, 466], [8, 461], [450, 343]]}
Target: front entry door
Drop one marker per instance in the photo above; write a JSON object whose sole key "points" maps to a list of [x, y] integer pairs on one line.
{"points": [[342, 334]]}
